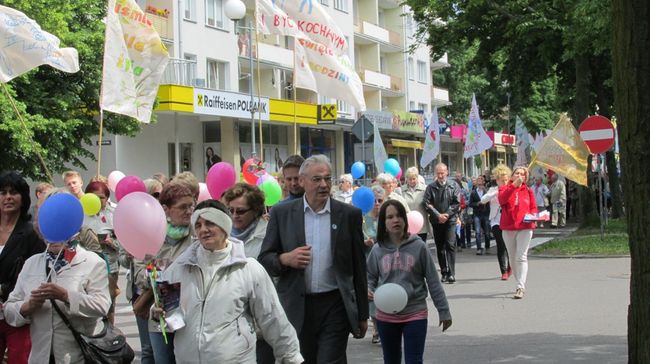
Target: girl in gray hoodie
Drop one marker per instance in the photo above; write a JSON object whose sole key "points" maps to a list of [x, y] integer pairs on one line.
{"points": [[401, 258]]}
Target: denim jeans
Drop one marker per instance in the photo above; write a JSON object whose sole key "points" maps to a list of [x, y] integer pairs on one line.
{"points": [[146, 352], [163, 353], [481, 227], [414, 333]]}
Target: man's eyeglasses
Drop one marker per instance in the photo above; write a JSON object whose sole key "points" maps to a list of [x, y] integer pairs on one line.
{"points": [[236, 211], [185, 207], [319, 179]]}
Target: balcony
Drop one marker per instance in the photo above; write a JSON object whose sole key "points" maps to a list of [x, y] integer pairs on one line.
{"points": [[440, 63], [390, 86], [439, 96], [181, 72], [163, 25], [269, 53], [367, 33]]}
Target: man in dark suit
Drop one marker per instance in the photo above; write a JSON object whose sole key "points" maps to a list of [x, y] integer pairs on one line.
{"points": [[314, 245]]}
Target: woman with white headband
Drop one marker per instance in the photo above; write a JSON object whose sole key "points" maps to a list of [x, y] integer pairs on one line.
{"points": [[225, 296]]}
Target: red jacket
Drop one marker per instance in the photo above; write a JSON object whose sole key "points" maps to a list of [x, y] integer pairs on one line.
{"points": [[515, 203]]}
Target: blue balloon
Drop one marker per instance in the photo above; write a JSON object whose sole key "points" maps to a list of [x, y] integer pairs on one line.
{"points": [[391, 166], [364, 199], [358, 170], [60, 217]]}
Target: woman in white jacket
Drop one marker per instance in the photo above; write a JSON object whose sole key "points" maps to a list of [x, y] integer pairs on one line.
{"points": [[224, 296], [502, 174]]}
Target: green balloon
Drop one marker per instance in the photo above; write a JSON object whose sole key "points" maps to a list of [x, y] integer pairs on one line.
{"points": [[91, 204], [272, 192]]}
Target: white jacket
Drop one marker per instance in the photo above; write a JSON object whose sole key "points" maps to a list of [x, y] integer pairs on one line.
{"points": [[86, 279], [495, 209], [220, 324]]}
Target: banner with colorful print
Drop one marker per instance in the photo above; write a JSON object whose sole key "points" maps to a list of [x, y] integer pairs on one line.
{"points": [[476, 139], [134, 61], [25, 46], [431, 140]]}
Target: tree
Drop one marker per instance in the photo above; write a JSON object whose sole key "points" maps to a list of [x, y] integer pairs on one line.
{"points": [[631, 69], [60, 109]]}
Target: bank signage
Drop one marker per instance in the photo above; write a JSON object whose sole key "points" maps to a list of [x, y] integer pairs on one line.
{"points": [[229, 104]]}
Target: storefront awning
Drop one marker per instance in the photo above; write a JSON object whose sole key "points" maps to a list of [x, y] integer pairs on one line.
{"points": [[401, 143]]}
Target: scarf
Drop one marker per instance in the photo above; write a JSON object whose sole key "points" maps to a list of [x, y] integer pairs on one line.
{"points": [[64, 258], [176, 233], [243, 235]]}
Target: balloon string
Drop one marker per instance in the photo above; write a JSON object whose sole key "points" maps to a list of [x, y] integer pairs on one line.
{"points": [[47, 279]]}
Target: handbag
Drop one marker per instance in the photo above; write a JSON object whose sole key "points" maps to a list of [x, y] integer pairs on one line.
{"points": [[107, 347]]}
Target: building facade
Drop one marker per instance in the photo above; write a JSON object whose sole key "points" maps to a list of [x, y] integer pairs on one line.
{"points": [[205, 100]]}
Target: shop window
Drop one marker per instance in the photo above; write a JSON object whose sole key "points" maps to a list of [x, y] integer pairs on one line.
{"points": [[185, 158], [318, 141], [211, 132]]}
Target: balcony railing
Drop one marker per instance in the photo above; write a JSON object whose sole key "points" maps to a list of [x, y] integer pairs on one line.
{"points": [[439, 96], [181, 72], [377, 32], [164, 26], [396, 84]]}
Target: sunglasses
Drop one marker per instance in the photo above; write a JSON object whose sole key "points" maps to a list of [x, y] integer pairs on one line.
{"points": [[235, 211]]}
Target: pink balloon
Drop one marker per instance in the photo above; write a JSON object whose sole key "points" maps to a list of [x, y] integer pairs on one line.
{"points": [[129, 184], [114, 178], [140, 224], [416, 221], [204, 194], [399, 175], [221, 177]]}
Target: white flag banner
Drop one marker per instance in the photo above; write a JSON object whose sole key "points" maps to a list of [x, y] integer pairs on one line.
{"points": [[334, 75], [378, 149], [134, 61], [523, 143], [303, 77], [302, 19], [25, 46], [476, 139], [431, 140]]}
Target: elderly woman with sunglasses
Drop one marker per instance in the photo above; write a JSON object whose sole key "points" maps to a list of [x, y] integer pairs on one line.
{"points": [[246, 205], [225, 297]]}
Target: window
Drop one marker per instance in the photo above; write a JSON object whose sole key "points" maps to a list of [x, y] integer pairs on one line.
{"points": [[411, 69], [422, 72], [410, 25], [214, 13], [325, 2], [189, 10], [216, 74], [341, 5], [411, 105], [422, 107], [342, 107], [188, 71]]}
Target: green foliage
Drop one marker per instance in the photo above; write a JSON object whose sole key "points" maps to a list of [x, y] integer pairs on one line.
{"points": [[586, 240], [524, 48], [60, 109]]}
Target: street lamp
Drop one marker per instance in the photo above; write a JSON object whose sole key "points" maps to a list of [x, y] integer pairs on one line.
{"points": [[236, 10]]}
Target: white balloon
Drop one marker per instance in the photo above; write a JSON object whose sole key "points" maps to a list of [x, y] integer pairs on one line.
{"points": [[390, 298]]}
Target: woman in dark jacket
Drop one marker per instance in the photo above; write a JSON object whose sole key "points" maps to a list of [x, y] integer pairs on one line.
{"points": [[18, 241]]}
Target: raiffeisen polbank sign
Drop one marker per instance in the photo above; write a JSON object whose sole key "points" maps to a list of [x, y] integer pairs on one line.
{"points": [[230, 104]]}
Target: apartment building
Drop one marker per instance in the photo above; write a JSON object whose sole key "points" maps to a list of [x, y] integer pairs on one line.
{"points": [[205, 96]]}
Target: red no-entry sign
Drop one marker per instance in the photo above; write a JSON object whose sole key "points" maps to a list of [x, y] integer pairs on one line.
{"points": [[598, 133]]}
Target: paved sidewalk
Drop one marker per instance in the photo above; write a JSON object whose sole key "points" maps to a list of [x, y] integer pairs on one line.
{"points": [[574, 310]]}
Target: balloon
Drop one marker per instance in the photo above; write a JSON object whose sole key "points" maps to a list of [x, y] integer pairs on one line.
{"points": [[60, 217], [90, 203], [364, 199], [415, 220], [358, 170], [391, 166], [221, 177], [399, 174], [390, 298], [263, 178], [272, 192], [114, 178], [128, 185], [252, 170], [204, 194], [140, 224]]}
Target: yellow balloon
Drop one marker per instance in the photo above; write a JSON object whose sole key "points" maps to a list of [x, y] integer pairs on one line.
{"points": [[90, 203]]}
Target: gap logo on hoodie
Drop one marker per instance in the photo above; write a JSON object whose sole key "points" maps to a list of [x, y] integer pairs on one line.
{"points": [[397, 262]]}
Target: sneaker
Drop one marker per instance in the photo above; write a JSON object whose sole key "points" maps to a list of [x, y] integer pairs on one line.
{"points": [[375, 339], [480, 251], [505, 276], [444, 278], [519, 294]]}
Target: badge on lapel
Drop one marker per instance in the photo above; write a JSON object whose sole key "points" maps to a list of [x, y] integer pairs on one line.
{"points": [[333, 226]]}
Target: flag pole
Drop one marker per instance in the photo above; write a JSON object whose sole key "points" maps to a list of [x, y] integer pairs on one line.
{"points": [[101, 95], [259, 87], [294, 89], [22, 122], [99, 141]]}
